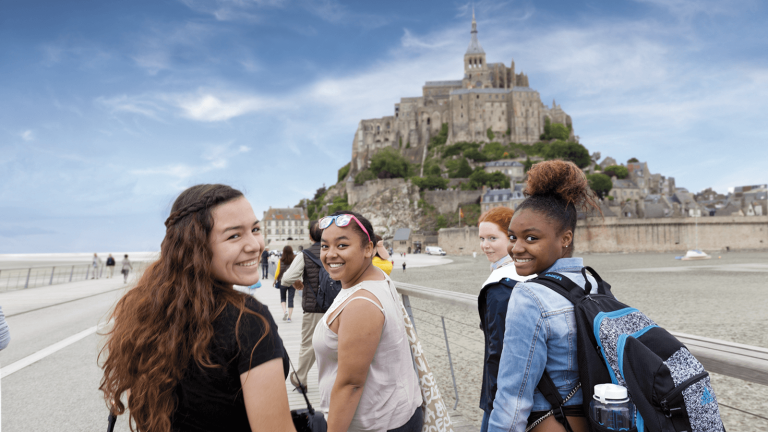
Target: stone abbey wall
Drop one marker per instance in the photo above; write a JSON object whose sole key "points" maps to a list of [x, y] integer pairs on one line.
{"points": [[448, 201], [615, 235], [356, 194]]}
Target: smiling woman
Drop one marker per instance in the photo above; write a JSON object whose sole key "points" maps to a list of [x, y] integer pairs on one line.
{"points": [[188, 351], [366, 376], [540, 326]]}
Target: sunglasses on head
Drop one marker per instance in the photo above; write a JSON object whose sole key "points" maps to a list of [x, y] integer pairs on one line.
{"points": [[342, 220]]}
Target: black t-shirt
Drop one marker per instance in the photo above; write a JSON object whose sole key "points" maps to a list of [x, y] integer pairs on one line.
{"points": [[211, 399]]}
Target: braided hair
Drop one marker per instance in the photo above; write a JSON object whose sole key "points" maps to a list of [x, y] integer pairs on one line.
{"points": [[165, 323], [558, 189]]}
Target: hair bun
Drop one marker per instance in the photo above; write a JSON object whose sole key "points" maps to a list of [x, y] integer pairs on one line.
{"points": [[561, 179]]}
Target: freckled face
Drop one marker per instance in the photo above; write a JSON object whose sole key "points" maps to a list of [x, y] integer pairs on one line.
{"points": [[236, 243], [343, 255], [493, 241], [535, 243]]}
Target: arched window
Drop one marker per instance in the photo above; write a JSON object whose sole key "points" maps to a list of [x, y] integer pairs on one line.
{"points": [[428, 121]]}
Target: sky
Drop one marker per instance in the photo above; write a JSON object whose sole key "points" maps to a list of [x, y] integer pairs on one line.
{"points": [[108, 110]]}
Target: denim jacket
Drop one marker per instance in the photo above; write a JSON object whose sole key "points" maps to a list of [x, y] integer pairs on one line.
{"points": [[540, 334]]}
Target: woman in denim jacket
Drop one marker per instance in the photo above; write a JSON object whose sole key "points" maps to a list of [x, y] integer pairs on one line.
{"points": [[540, 331]]}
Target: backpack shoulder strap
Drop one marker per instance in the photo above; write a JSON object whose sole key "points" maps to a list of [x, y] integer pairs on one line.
{"points": [[549, 390], [562, 285]]}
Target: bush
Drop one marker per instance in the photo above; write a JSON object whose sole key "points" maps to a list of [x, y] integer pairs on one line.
{"points": [[408, 144], [459, 169], [480, 178], [344, 171], [442, 222], [364, 176], [610, 197], [459, 148], [495, 151], [430, 182], [600, 183], [616, 170], [554, 131], [570, 151], [432, 169], [633, 160], [339, 204], [490, 134], [389, 163], [439, 139], [475, 155]]}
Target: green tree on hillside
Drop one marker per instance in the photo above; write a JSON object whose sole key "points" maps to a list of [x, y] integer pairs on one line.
{"points": [[554, 131], [363, 176], [633, 160], [570, 151], [389, 163], [616, 170], [343, 171], [600, 183], [430, 182], [439, 139], [490, 134], [460, 169]]}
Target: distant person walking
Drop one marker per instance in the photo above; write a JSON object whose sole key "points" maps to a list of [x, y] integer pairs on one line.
{"points": [[110, 266], [265, 263], [403, 266], [127, 267], [285, 290], [5, 333], [96, 264]]}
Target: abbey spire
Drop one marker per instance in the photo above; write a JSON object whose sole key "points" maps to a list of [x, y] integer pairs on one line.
{"points": [[474, 58]]}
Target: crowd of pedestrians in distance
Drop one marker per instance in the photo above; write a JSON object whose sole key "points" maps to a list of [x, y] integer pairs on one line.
{"points": [[188, 352]]}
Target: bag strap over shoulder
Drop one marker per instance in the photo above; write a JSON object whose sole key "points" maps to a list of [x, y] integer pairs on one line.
{"points": [[567, 288], [550, 392]]}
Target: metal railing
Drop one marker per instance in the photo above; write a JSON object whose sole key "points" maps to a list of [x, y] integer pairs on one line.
{"points": [[33, 277], [745, 362]]}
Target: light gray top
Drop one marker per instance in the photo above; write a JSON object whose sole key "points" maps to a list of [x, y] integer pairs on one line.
{"points": [[391, 393]]}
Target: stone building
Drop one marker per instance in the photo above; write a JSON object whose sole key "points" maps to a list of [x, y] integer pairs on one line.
{"points": [[402, 241], [280, 224], [489, 96], [511, 168], [510, 198]]}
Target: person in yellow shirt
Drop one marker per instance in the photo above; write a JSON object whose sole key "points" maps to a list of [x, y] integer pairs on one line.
{"points": [[381, 259]]}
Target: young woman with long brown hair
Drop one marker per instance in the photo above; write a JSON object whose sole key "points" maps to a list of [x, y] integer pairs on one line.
{"points": [[540, 326], [187, 351]]}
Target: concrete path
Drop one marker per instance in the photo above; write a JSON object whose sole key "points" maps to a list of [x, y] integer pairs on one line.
{"points": [[50, 374]]}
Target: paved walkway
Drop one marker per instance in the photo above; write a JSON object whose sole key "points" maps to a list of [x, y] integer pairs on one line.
{"points": [[291, 335]]}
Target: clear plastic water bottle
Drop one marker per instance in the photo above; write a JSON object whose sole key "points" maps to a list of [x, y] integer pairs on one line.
{"points": [[611, 408]]}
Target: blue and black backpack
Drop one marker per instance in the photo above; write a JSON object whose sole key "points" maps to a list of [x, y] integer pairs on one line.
{"points": [[619, 344]]}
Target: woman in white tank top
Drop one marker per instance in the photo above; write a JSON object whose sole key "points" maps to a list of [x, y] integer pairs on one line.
{"points": [[366, 376]]}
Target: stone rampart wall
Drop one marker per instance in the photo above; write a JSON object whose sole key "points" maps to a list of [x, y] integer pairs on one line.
{"points": [[448, 201], [615, 235], [356, 194]]}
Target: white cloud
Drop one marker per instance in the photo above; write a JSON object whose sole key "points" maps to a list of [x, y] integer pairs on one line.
{"points": [[27, 135], [208, 107]]}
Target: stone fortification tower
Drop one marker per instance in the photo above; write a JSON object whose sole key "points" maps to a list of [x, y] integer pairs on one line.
{"points": [[489, 96]]}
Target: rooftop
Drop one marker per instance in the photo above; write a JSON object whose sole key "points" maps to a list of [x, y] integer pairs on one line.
{"points": [[402, 234]]}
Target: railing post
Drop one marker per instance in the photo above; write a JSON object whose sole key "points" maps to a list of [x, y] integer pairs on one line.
{"points": [[407, 304], [450, 363], [71, 273], [87, 272], [53, 270], [26, 284]]}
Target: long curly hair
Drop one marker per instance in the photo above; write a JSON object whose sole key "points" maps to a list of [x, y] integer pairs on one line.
{"points": [[559, 189], [166, 321], [286, 259]]}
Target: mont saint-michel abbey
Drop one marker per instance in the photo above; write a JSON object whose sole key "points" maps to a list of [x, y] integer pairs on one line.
{"points": [[491, 95]]}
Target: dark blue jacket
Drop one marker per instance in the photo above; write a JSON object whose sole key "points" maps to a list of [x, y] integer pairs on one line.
{"points": [[492, 305]]}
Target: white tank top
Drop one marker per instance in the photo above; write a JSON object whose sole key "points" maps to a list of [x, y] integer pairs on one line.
{"points": [[391, 393]]}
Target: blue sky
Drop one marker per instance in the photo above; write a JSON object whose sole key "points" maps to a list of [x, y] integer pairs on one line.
{"points": [[110, 109]]}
